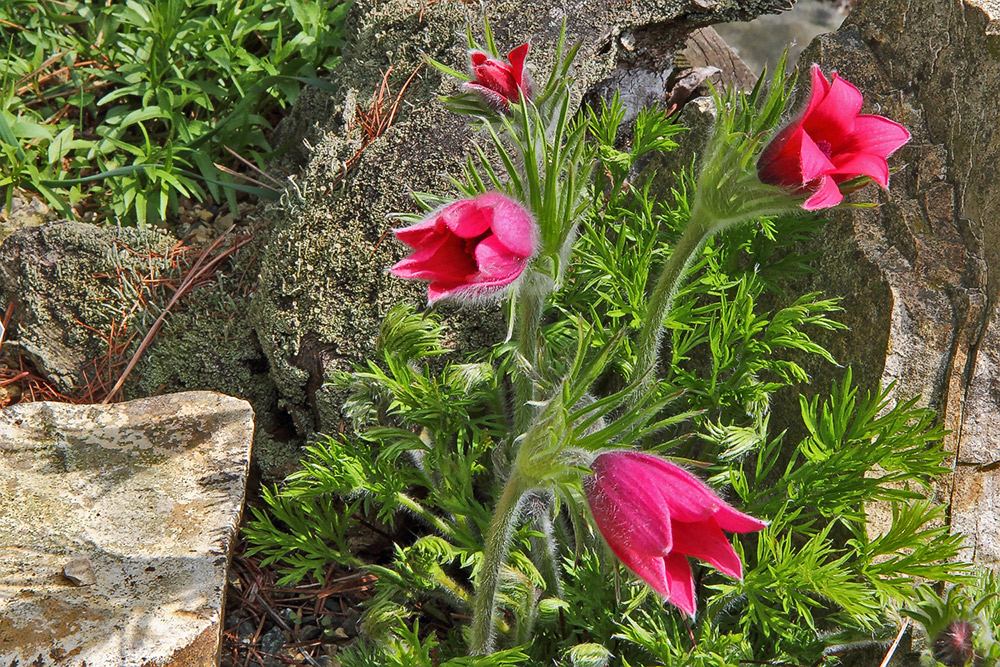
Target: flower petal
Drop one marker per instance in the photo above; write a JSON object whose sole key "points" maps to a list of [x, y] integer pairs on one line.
{"points": [[737, 522], [827, 196], [832, 119], [648, 568], [493, 99], [517, 58], [813, 162], [681, 582], [444, 260], [467, 219], [861, 164], [818, 91], [878, 135], [687, 498], [627, 507], [420, 233], [706, 541], [512, 224], [443, 290], [497, 264]]}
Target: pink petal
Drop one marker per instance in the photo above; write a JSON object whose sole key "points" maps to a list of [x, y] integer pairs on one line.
{"points": [[446, 261], [832, 119], [650, 569], [467, 219], [478, 57], [818, 91], [827, 196], [681, 583], [512, 224], [497, 265], [812, 160], [443, 290], [861, 164], [493, 99], [737, 522], [420, 233], [687, 498], [706, 541], [780, 163], [497, 75], [628, 510], [878, 135]]}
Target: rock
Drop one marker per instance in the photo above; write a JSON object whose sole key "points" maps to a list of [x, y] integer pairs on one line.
{"points": [[63, 281], [760, 42], [24, 212], [323, 286], [115, 528], [920, 273], [72, 282]]}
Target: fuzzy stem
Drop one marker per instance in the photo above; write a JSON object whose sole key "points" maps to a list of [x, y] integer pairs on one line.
{"points": [[494, 558], [544, 548], [530, 303], [697, 232]]}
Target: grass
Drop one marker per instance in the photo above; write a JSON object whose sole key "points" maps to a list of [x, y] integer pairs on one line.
{"points": [[123, 108]]}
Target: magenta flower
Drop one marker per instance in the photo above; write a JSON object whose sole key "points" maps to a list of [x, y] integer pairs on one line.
{"points": [[470, 249], [501, 82], [654, 514], [830, 143]]}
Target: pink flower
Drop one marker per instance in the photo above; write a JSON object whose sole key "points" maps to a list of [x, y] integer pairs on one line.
{"points": [[469, 249], [654, 514], [501, 82], [830, 143]]}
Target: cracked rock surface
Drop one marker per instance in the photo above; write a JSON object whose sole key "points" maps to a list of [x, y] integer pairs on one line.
{"points": [[920, 273], [115, 528]]}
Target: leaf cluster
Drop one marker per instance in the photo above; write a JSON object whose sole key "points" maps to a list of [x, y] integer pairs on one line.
{"points": [[434, 438], [134, 104]]}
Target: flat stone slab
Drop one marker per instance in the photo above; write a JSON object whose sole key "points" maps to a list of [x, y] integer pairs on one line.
{"points": [[115, 528]]}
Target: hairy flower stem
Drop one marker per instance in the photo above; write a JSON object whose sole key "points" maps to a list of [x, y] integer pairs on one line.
{"points": [[543, 547], [530, 303], [494, 558], [699, 228]]}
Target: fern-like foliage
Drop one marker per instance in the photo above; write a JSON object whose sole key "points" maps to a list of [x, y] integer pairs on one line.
{"points": [[434, 440]]}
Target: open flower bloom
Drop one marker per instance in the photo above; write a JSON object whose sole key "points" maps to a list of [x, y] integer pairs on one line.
{"points": [[830, 143], [501, 82], [654, 514], [470, 249]]}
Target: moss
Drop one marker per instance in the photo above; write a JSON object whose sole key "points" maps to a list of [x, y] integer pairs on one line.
{"points": [[64, 280]]}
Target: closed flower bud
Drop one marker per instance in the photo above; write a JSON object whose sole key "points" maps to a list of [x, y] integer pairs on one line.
{"points": [[954, 645], [501, 82]]}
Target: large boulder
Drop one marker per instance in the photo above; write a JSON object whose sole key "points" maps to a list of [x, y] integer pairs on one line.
{"points": [[116, 523], [920, 273]]}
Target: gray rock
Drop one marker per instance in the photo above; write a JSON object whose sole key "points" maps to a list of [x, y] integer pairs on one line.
{"points": [[71, 282], [920, 273], [115, 528], [24, 212], [62, 278], [323, 286]]}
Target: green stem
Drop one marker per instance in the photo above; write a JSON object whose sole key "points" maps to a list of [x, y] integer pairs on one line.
{"points": [[530, 303], [494, 557], [698, 229], [543, 547]]}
